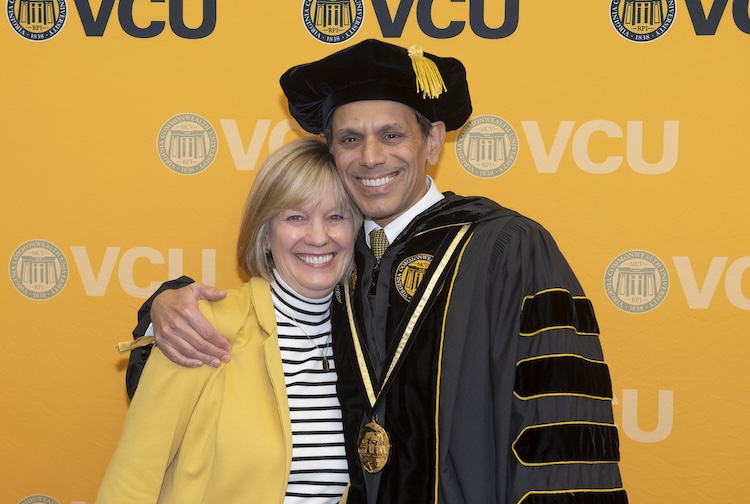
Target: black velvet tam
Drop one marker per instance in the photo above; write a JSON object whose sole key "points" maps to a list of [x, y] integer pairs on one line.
{"points": [[373, 70]]}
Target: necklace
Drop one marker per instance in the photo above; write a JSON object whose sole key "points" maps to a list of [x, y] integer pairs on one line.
{"points": [[326, 364]]}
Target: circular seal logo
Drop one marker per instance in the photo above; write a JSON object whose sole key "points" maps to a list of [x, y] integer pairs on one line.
{"points": [[410, 273], [333, 21], [39, 499], [38, 269], [187, 144], [642, 20], [37, 20], [636, 281], [487, 146]]}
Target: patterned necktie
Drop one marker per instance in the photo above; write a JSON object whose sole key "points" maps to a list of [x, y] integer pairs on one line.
{"points": [[378, 242]]}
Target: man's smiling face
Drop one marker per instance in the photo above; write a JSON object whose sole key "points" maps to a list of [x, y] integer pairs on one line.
{"points": [[382, 155]]}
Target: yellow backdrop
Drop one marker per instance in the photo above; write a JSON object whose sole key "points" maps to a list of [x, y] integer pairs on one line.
{"points": [[132, 129]]}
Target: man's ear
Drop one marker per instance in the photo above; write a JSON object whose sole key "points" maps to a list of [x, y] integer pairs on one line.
{"points": [[435, 141]]}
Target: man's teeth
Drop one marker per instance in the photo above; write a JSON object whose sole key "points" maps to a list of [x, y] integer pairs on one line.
{"points": [[317, 259], [376, 182]]}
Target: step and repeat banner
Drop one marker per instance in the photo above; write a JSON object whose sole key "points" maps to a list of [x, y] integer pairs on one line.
{"points": [[132, 130]]}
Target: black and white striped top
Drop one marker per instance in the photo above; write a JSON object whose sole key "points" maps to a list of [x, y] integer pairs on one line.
{"points": [[319, 470]]}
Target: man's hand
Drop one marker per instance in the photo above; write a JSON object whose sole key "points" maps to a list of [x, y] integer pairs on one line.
{"points": [[182, 332]]}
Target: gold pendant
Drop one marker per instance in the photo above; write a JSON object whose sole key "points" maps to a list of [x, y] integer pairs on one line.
{"points": [[326, 365], [374, 447]]}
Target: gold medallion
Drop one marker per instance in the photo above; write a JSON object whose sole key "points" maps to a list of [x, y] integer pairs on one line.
{"points": [[374, 447]]}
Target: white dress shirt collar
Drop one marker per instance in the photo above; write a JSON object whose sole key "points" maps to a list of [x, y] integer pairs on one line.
{"points": [[394, 228]]}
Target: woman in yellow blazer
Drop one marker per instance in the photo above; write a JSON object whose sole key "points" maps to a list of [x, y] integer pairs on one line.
{"points": [[225, 435]]}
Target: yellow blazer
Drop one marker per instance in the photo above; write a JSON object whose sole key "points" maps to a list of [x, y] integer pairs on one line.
{"points": [[210, 435]]}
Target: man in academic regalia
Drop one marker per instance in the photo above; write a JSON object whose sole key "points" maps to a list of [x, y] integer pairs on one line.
{"points": [[468, 356]]}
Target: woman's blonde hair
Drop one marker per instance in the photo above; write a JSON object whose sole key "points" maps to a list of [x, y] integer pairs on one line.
{"points": [[291, 176]]}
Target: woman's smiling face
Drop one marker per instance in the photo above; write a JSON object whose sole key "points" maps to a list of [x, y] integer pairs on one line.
{"points": [[312, 245]]}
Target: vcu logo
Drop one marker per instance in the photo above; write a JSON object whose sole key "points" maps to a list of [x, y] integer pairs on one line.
{"points": [[43, 19], [487, 146], [642, 20], [38, 269], [94, 24], [705, 22], [37, 19], [187, 144], [636, 281], [392, 16], [333, 21], [410, 274]]}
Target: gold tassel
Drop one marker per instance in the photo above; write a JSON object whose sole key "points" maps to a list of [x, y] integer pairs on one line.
{"points": [[126, 346], [429, 80]]}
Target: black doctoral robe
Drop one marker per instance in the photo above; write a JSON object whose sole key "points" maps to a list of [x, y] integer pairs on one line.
{"points": [[474, 346]]}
